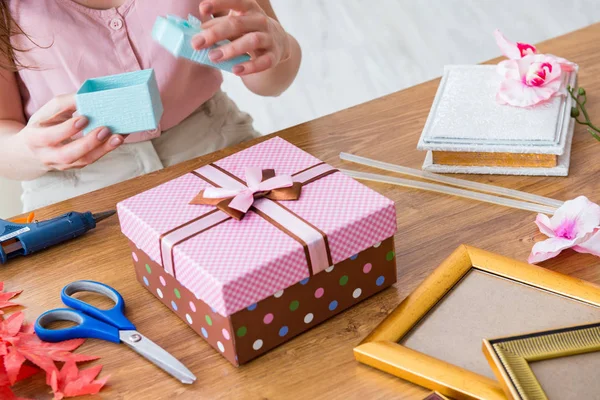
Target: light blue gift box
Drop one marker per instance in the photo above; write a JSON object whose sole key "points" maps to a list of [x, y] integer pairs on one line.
{"points": [[175, 34], [125, 103]]}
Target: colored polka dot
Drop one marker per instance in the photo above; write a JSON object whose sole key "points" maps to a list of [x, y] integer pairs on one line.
{"points": [[160, 293], [162, 280], [354, 257], [174, 305], [304, 281], [257, 345], [330, 268], [148, 269], [135, 257], [146, 281], [221, 347], [177, 293], [225, 333], [357, 292], [308, 318], [241, 332], [294, 305], [192, 307], [204, 332], [214, 310], [278, 294], [380, 280], [367, 268], [319, 292], [208, 320], [333, 305], [376, 245], [252, 307], [189, 318], [390, 256], [343, 280], [268, 318], [283, 331]]}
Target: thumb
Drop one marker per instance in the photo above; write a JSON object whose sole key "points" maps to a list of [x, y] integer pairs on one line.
{"points": [[56, 111]]}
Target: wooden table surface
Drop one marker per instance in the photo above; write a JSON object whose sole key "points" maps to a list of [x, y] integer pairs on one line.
{"points": [[319, 363]]}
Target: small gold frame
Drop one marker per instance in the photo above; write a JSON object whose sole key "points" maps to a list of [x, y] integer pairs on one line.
{"points": [[509, 357], [381, 350]]}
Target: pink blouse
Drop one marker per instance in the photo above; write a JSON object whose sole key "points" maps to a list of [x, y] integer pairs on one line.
{"points": [[75, 43]]}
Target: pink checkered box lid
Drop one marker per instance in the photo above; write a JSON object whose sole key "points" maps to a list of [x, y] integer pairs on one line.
{"points": [[238, 263]]}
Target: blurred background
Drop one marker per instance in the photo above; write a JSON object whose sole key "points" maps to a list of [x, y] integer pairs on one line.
{"points": [[358, 50]]}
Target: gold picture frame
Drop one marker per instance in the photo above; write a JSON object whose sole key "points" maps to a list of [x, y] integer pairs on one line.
{"points": [[381, 348], [510, 357]]}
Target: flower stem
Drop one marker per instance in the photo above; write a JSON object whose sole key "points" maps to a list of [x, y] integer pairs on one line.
{"points": [[580, 106], [594, 134]]}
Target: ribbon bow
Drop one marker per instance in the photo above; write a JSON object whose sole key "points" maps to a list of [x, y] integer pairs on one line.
{"points": [[259, 183]]}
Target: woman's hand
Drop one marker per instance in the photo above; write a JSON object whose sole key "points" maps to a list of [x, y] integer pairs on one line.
{"points": [[48, 136], [250, 30]]}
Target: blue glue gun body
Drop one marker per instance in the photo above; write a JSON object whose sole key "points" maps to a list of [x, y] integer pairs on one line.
{"points": [[24, 239]]}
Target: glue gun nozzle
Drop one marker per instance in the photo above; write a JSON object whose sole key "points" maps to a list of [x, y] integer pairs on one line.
{"points": [[103, 215]]}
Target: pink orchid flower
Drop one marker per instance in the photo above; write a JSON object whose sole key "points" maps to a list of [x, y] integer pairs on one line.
{"points": [[575, 225], [517, 50], [529, 80], [513, 50]]}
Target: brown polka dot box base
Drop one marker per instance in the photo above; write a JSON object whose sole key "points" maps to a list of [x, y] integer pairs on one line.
{"points": [[265, 325]]}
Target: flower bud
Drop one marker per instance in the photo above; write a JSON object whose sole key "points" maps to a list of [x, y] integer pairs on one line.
{"points": [[574, 112], [581, 91]]}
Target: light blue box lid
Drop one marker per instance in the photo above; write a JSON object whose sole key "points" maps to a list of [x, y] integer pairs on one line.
{"points": [[175, 34]]}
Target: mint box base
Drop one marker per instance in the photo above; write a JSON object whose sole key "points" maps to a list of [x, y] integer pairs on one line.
{"points": [[273, 321], [125, 103]]}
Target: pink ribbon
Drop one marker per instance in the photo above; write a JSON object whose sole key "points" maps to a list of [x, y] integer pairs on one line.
{"points": [[243, 198], [313, 240]]}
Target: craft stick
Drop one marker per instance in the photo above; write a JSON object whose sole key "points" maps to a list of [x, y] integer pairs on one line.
{"points": [[515, 194], [432, 187]]}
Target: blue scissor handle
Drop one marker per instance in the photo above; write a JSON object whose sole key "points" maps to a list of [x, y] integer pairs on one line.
{"points": [[114, 316], [87, 327]]}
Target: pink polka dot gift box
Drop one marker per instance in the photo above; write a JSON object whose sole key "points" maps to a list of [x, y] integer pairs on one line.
{"points": [[260, 246]]}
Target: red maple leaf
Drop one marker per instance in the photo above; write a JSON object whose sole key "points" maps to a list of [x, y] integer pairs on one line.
{"points": [[28, 346], [20, 346], [7, 394], [24, 373], [10, 326], [70, 381], [5, 297]]}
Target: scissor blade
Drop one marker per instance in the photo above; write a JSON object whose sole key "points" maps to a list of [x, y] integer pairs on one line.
{"points": [[157, 355]]}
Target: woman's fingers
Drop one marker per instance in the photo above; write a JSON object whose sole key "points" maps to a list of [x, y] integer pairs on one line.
{"points": [[53, 135], [204, 17], [259, 64], [231, 26], [73, 151], [249, 43], [57, 110], [99, 152], [215, 7]]}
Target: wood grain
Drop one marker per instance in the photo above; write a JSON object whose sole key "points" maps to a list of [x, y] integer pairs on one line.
{"points": [[319, 363], [480, 159]]}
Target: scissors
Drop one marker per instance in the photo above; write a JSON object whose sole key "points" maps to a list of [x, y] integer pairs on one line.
{"points": [[110, 325]]}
